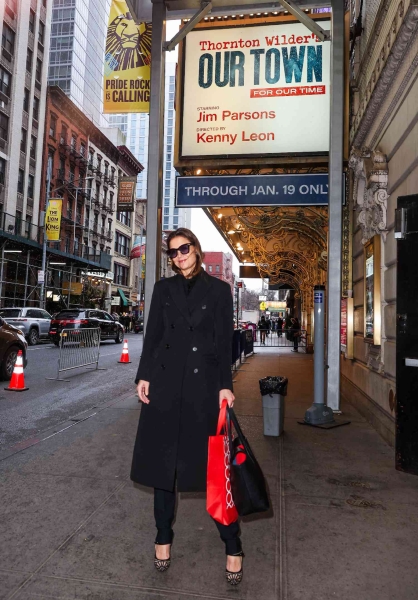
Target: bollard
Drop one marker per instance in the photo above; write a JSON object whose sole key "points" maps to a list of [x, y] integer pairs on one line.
{"points": [[319, 413]]}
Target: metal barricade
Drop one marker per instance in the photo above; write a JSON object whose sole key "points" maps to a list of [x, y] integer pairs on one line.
{"points": [[282, 338], [78, 348]]}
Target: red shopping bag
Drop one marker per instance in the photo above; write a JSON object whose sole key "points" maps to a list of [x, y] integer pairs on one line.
{"points": [[219, 502]]}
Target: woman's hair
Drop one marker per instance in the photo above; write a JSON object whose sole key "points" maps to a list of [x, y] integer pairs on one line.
{"points": [[189, 235]]}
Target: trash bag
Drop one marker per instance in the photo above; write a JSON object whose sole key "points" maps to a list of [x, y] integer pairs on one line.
{"points": [[273, 385]]}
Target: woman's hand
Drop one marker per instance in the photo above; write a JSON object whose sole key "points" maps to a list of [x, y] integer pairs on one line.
{"points": [[226, 395], [143, 391]]}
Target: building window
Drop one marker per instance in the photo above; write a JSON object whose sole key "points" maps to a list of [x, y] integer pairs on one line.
{"points": [[5, 81], [53, 126], [18, 222], [28, 226], [8, 41], [124, 217], [122, 244], [31, 186], [21, 181], [32, 21], [26, 96], [29, 60], [4, 127], [36, 108], [23, 140], [33, 146], [217, 268], [2, 171], [63, 138], [41, 33], [38, 72], [83, 149], [121, 275], [73, 141]]}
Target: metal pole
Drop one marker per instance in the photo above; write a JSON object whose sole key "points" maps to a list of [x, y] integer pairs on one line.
{"points": [[69, 287], [2, 272], [48, 188], [335, 205], [155, 153], [26, 276], [75, 217], [318, 413]]}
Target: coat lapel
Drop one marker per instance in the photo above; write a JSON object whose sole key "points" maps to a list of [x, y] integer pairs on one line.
{"points": [[180, 298]]}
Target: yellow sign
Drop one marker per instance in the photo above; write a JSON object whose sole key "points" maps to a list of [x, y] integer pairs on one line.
{"points": [[127, 74], [263, 306], [53, 219], [72, 288]]}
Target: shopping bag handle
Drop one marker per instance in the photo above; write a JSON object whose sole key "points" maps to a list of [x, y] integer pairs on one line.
{"points": [[232, 418], [222, 417]]}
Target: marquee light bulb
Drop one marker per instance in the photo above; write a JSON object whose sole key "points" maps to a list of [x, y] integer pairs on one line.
{"points": [[220, 216]]}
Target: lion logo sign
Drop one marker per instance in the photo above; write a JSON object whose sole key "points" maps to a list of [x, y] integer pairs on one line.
{"points": [[128, 45]]}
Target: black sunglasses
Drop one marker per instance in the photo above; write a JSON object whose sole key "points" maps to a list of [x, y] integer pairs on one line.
{"points": [[183, 249]]}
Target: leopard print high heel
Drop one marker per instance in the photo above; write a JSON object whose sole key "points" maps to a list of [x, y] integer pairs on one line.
{"points": [[235, 578], [162, 564]]}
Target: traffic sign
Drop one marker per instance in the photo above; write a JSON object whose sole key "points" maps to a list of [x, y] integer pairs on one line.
{"points": [[263, 306]]}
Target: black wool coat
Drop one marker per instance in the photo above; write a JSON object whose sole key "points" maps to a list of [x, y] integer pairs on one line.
{"points": [[186, 357]]}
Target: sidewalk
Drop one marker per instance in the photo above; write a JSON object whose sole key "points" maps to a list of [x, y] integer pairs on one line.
{"points": [[344, 523]]}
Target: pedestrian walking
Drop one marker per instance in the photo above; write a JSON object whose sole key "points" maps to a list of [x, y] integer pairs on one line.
{"points": [[183, 376], [296, 333], [263, 327], [279, 327]]}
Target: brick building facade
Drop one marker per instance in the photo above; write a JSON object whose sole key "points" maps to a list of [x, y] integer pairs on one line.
{"points": [[219, 264]]}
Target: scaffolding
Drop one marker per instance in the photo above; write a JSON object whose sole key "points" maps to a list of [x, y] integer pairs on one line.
{"points": [[67, 279]]}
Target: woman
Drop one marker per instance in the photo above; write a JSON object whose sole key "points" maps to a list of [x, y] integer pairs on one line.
{"points": [[183, 376]]}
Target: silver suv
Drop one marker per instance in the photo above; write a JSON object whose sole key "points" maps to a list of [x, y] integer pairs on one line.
{"points": [[33, 322]]}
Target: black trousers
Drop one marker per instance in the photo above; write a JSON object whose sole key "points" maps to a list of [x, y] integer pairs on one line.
{"points": [[164, 506]]}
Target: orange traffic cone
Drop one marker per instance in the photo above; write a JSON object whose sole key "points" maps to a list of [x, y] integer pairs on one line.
{"points": [[125, 354], [17, 382]]}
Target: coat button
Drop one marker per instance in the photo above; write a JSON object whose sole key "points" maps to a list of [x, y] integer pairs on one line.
{"points": [[191, 328], [163, 367], [194, 349], [167, 346], [196, 371], [204, 307], [172, 326]]}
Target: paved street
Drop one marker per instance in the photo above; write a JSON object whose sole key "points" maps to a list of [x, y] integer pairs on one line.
{"points": [[343, 522], [48, 403]]}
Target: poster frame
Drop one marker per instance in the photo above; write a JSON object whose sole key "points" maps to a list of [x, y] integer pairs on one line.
{"points": [[374, 246], [182, 162]]}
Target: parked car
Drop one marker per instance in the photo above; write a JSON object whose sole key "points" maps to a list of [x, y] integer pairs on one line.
{"points": [[139, 325], [84, 318], [11, 341], [33, 322]]}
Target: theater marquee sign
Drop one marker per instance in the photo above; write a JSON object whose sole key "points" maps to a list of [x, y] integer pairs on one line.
{"points": [[254, 91]]}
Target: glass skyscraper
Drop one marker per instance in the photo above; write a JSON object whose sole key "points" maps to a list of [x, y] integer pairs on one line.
{"points": [[76, 60]]}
